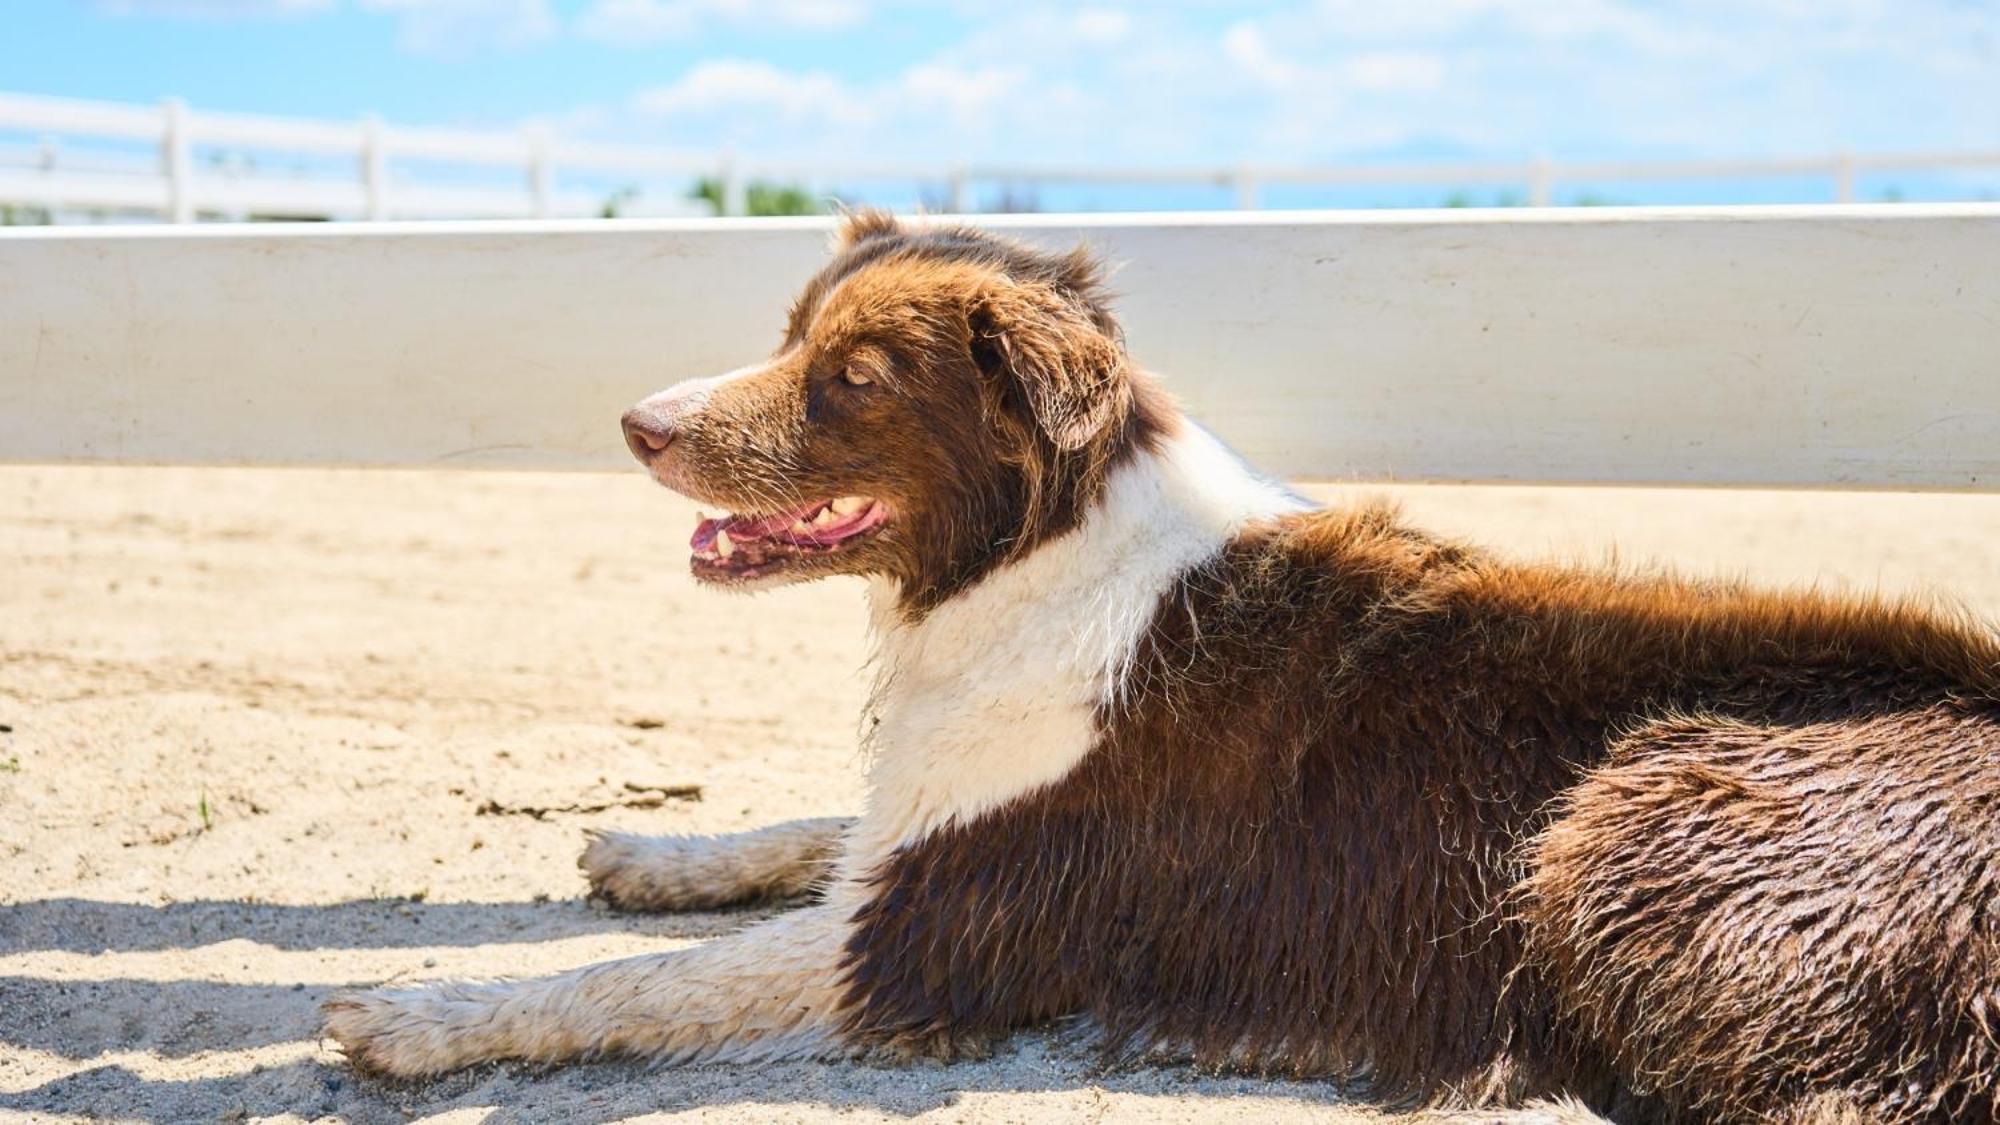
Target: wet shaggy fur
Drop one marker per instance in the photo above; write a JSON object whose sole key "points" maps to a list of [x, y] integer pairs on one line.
{"points": [[1300, 844], [1837, 874]]}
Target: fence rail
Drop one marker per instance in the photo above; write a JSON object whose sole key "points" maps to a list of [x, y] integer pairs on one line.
{"points": [[1812, 346], [178, 188]]}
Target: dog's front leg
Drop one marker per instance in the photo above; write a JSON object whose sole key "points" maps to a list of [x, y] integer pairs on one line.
{"points": [[703, 872], [765, 992]]}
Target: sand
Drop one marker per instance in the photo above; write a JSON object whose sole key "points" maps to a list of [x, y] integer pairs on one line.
{"points": [[254, 717]]}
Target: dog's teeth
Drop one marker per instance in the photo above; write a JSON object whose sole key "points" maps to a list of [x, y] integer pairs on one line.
{"points": [[801, 527], [848, 505], [700, 516], [825, 516], [723, 546]]}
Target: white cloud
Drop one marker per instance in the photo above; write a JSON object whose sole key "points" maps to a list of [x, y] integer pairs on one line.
{"points": [[1284, 81], [458, 27], [969, 95], [1101, 27], [214, 9], [1245, 45], [641, 22], [929, 110], [432, 27], [1615, 77], [1046, 83], [1395, 72], [743, 89], [1655, 29]]}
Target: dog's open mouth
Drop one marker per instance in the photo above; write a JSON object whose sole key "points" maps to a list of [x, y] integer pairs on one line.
{"points": [[742, 546]]}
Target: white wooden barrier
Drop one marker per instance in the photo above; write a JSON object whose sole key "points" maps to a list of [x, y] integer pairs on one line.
{"points": [[1826, 346], [180, 189]]}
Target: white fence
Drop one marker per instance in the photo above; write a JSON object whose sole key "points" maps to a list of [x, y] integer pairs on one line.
{"points": [[1844, 346], [47, 174]]}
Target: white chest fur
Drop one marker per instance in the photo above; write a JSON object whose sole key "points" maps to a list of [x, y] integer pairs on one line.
{"points": [[996, 692]]}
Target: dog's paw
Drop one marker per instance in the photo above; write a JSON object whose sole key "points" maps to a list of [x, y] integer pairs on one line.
{"points": [[394, 1034], [936, 1046], [623, 871], [709, 872], [662, 872]]}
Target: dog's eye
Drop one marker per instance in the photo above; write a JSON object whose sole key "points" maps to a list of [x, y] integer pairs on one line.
{"points": [[864, 365]]}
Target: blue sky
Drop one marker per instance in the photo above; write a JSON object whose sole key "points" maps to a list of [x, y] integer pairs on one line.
{"points": [[1173, 82]]}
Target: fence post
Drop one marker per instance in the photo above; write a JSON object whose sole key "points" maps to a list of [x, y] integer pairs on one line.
{"points": [[961, 190], [1245, 180], [541, 171], [177, 161], [374, 167], [46, 158], [1541, 181], [1843, 177], [735, 197]]}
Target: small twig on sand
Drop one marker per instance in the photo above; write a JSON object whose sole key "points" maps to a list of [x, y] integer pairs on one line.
{"points": [[640, 797]]}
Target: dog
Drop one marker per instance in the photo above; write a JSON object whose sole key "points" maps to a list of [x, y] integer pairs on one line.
{"points": [[1158, 744]]}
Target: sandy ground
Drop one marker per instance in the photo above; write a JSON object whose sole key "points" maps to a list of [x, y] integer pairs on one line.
{"points": [[252, 718]]}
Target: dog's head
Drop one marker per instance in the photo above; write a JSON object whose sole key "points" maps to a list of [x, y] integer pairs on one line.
{"points": [[943, 401]]}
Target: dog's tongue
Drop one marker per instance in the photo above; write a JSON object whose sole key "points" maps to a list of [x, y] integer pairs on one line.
{"points": [[745, 530], [704, 534], [740, 528]]}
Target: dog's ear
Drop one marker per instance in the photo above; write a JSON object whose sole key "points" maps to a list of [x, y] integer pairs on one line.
{"points": [[1044, 346], [861, 225]]}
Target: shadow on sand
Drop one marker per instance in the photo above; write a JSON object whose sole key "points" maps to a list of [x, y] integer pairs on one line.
{"points": [[76, 925], [594, 1093], [179, 1021]]}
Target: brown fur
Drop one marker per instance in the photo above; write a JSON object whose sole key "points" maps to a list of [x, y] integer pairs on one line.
{"points": [[1295, 846], [1747, 913]]}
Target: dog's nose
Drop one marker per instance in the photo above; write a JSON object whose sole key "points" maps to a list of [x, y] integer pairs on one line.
{"points": [[646, 433]]}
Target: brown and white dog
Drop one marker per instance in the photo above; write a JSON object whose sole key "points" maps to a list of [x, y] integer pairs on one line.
{"points": [[1156, 743]]}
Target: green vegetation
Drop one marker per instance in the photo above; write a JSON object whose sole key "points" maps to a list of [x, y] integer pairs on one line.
{"points": [[1513, 198], [615, 203], [762, 198], [22, 215], [1508, 198]]}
